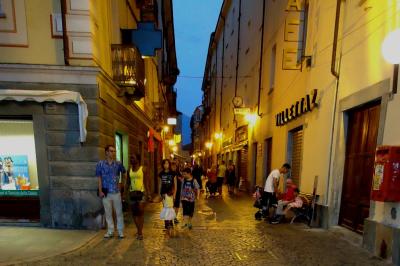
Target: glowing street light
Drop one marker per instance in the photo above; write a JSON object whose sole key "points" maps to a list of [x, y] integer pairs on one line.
{"points": [[171, 142], [251, 118], [166, 129], [391, 53], [174, 149], [390, 47], [208, 144], [171, 121], [218, 135]]}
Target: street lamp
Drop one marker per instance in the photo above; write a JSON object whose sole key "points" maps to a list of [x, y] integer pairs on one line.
{"points": [[251, 118], [209, 145], [391, 53], [218, 135], [171, 121]]}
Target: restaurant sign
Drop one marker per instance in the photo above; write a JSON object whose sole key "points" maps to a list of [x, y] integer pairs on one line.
{"points": [[306, 104]]}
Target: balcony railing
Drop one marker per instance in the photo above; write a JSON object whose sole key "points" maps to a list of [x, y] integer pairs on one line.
{"points": [[128, 70]]}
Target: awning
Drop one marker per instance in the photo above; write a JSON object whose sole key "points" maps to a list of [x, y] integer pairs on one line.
{"points": [[60, 96]]}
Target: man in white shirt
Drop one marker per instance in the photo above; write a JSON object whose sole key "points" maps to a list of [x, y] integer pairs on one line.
{"points": [[271, 186]]}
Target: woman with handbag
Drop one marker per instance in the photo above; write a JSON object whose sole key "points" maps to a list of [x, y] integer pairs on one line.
{"points": [[136, 187]]}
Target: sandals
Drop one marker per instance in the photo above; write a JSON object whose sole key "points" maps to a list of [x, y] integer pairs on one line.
{"points": [[139, 237]]}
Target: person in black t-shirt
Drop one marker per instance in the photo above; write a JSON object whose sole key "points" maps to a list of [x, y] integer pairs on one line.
{"points": [[167, 177]]}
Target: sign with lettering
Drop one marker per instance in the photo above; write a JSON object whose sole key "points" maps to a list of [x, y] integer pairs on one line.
{"points": [[19, 193], [241, 111], [306, 104], [241, 134]]}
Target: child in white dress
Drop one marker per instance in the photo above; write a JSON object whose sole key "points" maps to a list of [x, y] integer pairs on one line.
{"points": [[168, 213]]}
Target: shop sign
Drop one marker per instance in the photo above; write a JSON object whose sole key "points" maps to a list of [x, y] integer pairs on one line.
{"points": [[19, 193], [241, 134], [227, 142], [241, 111], [306, 104]]}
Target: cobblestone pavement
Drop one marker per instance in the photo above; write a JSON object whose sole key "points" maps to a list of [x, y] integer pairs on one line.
{"points": [[224, 233]]}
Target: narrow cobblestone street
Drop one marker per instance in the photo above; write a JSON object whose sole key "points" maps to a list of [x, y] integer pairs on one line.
{"points": [[224, 233]]}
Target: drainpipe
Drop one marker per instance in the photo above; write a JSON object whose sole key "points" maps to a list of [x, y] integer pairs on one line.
{"points": [[237, 54], [222, 71], [261, 60], [335, 73], [395, 78], [215, 85], [64, 27]]}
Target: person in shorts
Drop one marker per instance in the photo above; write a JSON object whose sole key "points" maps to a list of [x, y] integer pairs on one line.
{"points": [[221, 172], [189, 193], [136, 184]]}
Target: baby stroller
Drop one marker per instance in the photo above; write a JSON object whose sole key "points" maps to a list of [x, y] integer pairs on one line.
{"points": [[258, 203], [211, 189]]}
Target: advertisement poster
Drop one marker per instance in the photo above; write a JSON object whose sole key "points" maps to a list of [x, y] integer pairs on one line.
{"points": [[14, 173]]}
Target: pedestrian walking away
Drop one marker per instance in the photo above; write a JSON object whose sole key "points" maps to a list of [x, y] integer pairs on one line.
{"points": [[178, 185], [111, 174], [197, 173], [221, 172], [271, 187], [190, 192], [231, 178], [136, 184]]}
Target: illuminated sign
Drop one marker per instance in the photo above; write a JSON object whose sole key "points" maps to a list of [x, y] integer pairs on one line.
{"points": [[306, 104]]}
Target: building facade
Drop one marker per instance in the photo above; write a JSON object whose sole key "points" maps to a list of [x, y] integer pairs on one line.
{"points": [[305, 82], [76, 76]]}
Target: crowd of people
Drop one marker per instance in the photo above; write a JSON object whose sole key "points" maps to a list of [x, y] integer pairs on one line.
{"points": [[180, 186]]}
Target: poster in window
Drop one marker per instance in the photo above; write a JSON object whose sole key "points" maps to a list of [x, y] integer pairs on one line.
{"points": [[14, 174]]}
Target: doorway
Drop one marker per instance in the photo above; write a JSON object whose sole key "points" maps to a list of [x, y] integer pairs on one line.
{"points": [[254, 164], [267, 158], [295, 153], [362, 132]]}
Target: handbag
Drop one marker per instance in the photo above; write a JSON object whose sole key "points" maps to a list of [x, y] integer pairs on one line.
{"points": [[136, 195]]}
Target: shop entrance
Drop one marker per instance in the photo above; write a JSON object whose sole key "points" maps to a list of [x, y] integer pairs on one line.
{"points": [[242, 168], [19, 185], [363, 123]]}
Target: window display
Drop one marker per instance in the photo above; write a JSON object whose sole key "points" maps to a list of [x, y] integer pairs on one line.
{"points": [[18, 171]]}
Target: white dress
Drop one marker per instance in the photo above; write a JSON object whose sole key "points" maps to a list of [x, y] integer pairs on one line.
{"points": [[168, 212]]}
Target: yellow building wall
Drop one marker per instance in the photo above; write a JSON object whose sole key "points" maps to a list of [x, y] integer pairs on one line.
{"points": [[42, 48]]}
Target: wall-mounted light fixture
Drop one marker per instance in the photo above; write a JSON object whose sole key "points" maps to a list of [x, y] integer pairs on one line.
{"points": [[391, 53], [171, 121], [251, 118], [218, 135], [209, 145]]}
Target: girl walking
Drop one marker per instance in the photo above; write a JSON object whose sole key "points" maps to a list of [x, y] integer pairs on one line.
{"points": [[168, 213], [189, 193], [167, 181]]}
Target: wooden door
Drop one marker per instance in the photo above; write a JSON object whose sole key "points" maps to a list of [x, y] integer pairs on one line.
{"points": [[361, 140]]}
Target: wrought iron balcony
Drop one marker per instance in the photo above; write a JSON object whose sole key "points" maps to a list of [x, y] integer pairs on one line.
{"points": [[128, 70]]}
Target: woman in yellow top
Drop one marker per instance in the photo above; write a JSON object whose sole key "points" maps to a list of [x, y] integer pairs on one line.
{"points": [[136, 186]]}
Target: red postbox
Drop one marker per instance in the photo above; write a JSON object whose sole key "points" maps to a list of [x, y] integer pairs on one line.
{"points": [[386, 179]]}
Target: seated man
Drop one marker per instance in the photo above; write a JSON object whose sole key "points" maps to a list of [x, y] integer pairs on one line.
{"points": [[297, 202], [288, 196]]}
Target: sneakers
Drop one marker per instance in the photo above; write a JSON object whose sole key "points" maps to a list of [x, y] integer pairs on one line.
{"points": [[189, 226], [176, 221], [121, 235], [108, 235]]}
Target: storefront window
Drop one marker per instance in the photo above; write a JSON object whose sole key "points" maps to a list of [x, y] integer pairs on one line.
{"points": [[18, 168]]}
